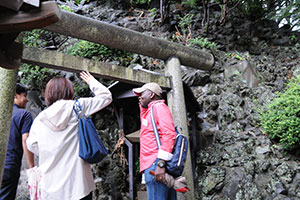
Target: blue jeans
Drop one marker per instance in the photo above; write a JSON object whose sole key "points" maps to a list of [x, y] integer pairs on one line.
{"points": [[157, 190]]}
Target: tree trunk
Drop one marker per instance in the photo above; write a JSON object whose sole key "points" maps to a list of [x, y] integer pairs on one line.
{"points": [[164, 10]]}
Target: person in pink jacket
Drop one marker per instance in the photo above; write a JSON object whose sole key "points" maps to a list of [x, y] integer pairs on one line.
{"points": [[152, 158]]}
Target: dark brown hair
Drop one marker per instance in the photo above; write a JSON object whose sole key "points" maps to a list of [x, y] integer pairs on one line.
{"points": [[21, 89], [58, 88]]}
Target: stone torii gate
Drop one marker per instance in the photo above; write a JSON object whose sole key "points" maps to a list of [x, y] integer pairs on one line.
{"points": [[116, 37]]}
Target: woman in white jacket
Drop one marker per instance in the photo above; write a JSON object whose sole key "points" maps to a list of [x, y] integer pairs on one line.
{"points": [[54, 138]]}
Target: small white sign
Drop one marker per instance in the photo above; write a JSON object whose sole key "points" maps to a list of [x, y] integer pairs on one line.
{"points": [[144, 122], [35, 3]]}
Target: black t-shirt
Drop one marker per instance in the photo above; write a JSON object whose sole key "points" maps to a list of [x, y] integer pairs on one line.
{"points": [[20, 124]]}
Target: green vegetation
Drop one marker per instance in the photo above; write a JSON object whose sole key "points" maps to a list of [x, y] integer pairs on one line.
{"points": [[185, 36], [135, 2], [33, 38], [81, 89], [202, 42], [280, 119], [35, 77], [283, 11], [66, 8], [153, 11], [185, 23], [287, 11], [238, 55], [253, 8], [293, 37], [100, 52], [190, 3]]}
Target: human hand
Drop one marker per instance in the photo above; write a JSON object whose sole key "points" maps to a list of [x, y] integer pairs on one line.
{"points": [[160, 174], [86, 76]]}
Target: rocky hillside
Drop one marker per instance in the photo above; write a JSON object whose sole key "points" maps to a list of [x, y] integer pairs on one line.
{"points": [[254, 60]]}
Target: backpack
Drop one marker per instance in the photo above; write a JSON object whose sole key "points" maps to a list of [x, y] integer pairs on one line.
{"points": [[174, 166], [91, 148]]}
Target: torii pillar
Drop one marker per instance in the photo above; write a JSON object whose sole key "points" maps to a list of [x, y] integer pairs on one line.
{"points": [[8, 81], [176, 104], [10, 60]]}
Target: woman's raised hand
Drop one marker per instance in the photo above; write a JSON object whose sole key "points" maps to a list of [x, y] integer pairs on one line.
{"points": [[86, 76]]}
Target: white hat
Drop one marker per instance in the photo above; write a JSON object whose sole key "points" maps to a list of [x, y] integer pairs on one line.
{"points": [[153, 87]]}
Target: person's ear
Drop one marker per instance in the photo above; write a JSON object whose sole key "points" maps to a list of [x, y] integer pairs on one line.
{"points": [[16, 98], [152, 95]]}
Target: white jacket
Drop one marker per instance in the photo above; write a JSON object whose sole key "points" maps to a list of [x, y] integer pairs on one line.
{"points": [[53, 137]]}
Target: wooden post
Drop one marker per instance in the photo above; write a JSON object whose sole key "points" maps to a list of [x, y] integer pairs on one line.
{"points": [[7, 90], [176, 104]]}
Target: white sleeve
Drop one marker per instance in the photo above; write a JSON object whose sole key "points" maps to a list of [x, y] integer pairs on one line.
{"points": [[31, 142], [101, 99], [164, 155]]}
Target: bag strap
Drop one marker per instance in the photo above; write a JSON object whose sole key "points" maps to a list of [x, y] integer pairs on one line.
{"points": [[155, 131], [77, 108]]}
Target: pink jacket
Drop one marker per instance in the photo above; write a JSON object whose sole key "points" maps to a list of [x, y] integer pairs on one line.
{"points": [[148, 147]]}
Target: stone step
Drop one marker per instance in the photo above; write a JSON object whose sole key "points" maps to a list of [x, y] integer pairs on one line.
{"points": [[142, 195]]}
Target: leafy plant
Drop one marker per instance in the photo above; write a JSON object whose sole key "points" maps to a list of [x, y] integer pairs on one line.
{"points": [[280, 119], [32, 38], [293, 38], [81, 89], [35, 77], [184, 34], [153, 11], [100, 52], [238, 56], [253, 8], [66, 8], [42, 38], [202, 42], [135, 2], [190, 3], [137, 167], [185, 22]]}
